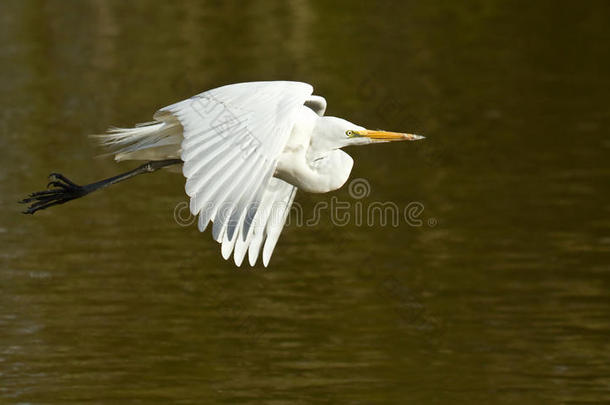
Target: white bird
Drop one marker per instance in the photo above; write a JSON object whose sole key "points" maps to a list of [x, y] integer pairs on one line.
{"points": [[244, 149]]}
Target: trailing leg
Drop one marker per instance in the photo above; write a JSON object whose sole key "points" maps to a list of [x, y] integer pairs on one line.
{"points": [[63, 189]]}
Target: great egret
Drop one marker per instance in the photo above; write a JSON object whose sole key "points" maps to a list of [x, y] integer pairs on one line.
{"points": [[244, 149]]}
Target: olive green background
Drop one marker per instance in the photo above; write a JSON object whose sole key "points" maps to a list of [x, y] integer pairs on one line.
{"points": [[500, 296]]}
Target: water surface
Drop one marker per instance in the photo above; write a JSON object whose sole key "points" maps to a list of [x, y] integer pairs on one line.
{"points": [[499, 296]]}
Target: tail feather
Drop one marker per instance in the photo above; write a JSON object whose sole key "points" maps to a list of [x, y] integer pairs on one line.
{"points": [[154, 140]]}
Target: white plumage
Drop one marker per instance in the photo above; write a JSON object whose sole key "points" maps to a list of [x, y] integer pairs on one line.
{"points": [[246, 149]]}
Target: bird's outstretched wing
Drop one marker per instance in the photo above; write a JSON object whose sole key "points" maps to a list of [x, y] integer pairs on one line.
{"points": [[233, 137]]}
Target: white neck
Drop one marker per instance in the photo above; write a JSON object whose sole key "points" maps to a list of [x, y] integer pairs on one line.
{"points": [[311, 159], [320, 176]]}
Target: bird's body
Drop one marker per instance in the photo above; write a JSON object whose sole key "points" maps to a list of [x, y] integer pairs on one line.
{"points": [[245, 149], [306, 166]]}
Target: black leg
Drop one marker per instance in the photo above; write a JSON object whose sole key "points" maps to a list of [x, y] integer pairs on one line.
{"points": [[64, 190]]}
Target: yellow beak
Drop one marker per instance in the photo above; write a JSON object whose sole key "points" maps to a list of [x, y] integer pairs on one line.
{"points": [[385, 136]]}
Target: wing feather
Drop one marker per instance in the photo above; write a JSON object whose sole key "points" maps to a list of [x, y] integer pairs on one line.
{"points": [[213, 170], [271, 208], [232, 193], [233, 137], [217, 200], [276, 223], [194, 155]]}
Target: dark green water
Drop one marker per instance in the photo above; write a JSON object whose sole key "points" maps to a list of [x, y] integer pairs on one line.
{"points": [[500, 296]]}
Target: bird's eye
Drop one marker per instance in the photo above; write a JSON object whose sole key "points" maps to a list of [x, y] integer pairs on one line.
{"points": [[349, 133]]}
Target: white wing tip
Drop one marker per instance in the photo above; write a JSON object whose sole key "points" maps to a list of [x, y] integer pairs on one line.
{"points": [[266, 257]]}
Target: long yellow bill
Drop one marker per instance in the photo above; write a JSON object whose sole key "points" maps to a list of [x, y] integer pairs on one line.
{"points": [[388, 136]]}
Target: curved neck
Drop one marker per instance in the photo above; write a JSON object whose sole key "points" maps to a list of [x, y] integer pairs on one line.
{"points": [[321, 175]]}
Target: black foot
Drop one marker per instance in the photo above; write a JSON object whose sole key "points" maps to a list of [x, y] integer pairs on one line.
{"points": [[60, 190]]}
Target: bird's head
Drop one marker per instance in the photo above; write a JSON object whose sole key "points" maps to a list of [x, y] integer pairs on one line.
{"points": [[334, 133]]}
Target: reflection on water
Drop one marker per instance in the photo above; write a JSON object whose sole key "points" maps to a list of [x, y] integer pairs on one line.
{"points": [[503, 299]]}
